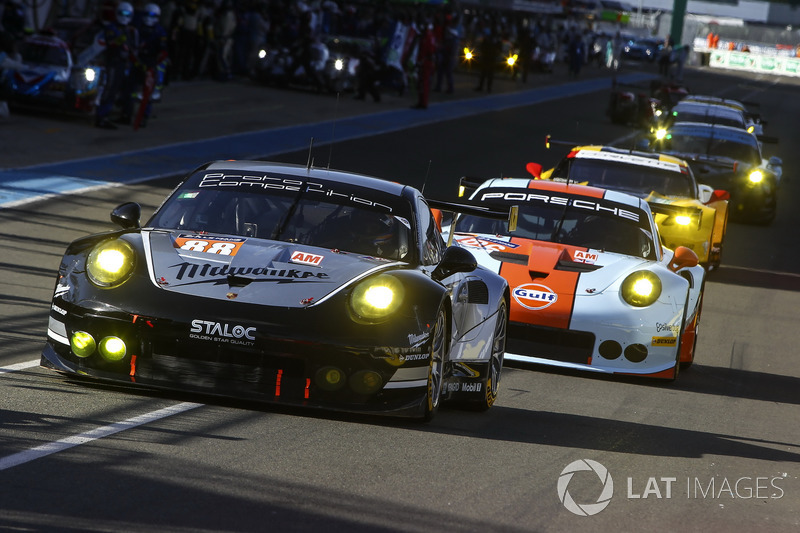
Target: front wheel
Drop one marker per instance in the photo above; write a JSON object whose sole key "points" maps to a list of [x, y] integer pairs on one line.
{"points": [[438, 353], [491, 384]]}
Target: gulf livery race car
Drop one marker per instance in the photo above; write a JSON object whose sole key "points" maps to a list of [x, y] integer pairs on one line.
{"points": [[727, 158], [284, 284], [591, 286], [687, 214], [49, 76]]}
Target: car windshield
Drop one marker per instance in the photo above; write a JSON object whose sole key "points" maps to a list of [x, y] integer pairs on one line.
{"points": [[711, 115], [287, 208], [43, 54], [731, 147], [639, 180], [567, 219]]}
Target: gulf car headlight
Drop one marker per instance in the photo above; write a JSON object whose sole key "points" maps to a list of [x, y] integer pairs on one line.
{"points": [[376, 298], [755, 177], [110, 263], [641, 288]]}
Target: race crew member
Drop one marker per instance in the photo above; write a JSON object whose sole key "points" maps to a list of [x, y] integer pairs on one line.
{"points": [[152, 57], [117, 42]]}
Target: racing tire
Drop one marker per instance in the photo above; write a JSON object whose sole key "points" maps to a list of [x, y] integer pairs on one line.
{"points": [[436, 365], [491, 385]]}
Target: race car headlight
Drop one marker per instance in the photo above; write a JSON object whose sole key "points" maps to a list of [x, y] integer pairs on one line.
{"points": [[112, 349], [110, 263], [338, 64], [641, 288], [755, 177], [683, 220], [377, 298], [262, 54], [82, 344], [661, 133]]}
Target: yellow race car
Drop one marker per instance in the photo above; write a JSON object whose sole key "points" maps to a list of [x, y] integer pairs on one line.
{"points": [[687, 213]]}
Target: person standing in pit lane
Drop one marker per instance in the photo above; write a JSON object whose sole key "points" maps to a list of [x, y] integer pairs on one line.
{"points": [[117, 42], [152, 57]]}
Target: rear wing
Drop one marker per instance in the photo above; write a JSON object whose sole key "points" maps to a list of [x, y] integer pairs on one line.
{"points": [[469, 185]]}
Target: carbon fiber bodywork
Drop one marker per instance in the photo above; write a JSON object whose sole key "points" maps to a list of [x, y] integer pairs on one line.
{"points": [[271, 319]]}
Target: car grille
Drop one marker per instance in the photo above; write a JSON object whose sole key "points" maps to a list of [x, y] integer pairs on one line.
{"points": [[550, 343]]}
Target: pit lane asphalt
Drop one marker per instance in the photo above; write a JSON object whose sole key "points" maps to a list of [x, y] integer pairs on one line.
{"points": [[45, 153]]}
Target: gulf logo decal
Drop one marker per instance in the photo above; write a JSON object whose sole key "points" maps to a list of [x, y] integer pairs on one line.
{"points": [[534, 296], [303, 258], [209, 244]]}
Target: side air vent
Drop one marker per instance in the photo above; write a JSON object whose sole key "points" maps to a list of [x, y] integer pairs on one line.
{"points": [[508, 257], [571, 266], [478, 292]]}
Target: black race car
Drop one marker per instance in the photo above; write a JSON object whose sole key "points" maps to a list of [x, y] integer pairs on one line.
{"points": [[730, 159], [285, 284]]}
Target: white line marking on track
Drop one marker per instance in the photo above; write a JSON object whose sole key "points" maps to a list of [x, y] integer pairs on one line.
{"points": [[19, 366], [97, 433]]}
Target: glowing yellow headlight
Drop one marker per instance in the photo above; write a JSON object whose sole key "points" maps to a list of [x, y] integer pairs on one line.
{"points": [[82, 344], [641, 288], [468, 54], [110, 263], [683, 220], [756, 176], [660, 134], [511, 60], [751, 129], [377, 298], [113, 349]]}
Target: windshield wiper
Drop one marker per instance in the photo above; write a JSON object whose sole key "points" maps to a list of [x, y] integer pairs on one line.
{"points": [[281, 227]]}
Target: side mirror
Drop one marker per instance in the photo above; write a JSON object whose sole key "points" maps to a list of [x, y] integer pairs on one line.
{"points": [[127, 215], [684, 258], [535, 169], [775, 161], [455, 259], [705, 192], [719, 195]]}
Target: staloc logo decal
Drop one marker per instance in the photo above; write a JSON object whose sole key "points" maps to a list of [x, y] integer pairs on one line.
{"points": [[534, 296], [221, 331]]}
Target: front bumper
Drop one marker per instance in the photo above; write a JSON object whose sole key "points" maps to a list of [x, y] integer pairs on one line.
{"points": [[261, 362]]}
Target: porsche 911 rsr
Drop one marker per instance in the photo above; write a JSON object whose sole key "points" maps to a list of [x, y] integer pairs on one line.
{"points": [[727, 158], [687, 214], [283, 284], [591, 286]]}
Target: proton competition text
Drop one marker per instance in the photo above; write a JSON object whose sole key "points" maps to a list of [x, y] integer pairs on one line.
{"points": [[220, 179]]}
